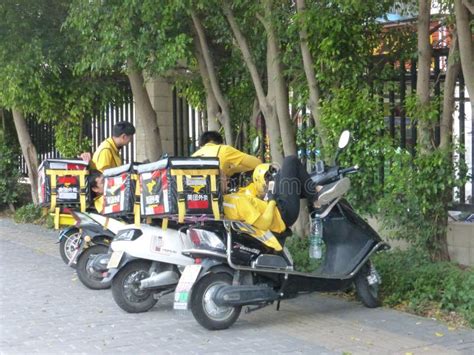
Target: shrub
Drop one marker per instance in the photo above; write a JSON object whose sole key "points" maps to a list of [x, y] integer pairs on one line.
{"points": [[28, 214], [410, 279], [9, 187]]}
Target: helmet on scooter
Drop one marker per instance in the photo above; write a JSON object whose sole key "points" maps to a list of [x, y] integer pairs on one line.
{"points": [[260, 177]]}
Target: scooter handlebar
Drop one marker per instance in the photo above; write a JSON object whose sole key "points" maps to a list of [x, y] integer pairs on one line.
{"points": [[350, 170]]}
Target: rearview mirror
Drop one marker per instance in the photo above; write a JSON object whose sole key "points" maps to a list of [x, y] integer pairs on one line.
{"points": [[256, 145], [344, 139]]}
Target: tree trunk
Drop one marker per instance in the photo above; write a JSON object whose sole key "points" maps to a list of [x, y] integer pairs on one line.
{"points": [[29, 152], [214, 83], [452, 72], [308, 64], [275, 79], [212, 107], [269, 113], [148, 131], [423, 78], [272, 124], [466, 47], [438, 245]]}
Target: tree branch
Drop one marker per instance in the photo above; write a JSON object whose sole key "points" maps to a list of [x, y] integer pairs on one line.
{"points": [[468, 5], [308, 64], [243, 45]]}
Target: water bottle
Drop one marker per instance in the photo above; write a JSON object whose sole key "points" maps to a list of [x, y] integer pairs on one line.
{"points": [[316, 238]]}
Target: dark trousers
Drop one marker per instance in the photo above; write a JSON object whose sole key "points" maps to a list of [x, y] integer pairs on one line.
{"points": [[292, 183]]}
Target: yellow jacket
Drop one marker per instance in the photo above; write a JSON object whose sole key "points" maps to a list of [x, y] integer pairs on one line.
{"points": [[106, 156], [232, 160], [254, 211]]}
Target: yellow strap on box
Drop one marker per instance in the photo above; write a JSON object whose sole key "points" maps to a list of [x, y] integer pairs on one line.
{"points": [[181, 202], [57, 213], [136, 207], [215, 202], [164, 225], [82, 182], [194, 172], [136, 215], [53, 194], [82, 197]]}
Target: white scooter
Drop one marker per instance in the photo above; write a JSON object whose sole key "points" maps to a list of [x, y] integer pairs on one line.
{"points": [[144, 265]]}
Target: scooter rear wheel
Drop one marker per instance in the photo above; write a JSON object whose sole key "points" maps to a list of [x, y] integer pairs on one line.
{"points": [[205, 311], [367, 293], [68, 245]]}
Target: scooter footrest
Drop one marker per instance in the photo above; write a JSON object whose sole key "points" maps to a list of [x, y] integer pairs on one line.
{"points": [[270, 261], [242, 295]]}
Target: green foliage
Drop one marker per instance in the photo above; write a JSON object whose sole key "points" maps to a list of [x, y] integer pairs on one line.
{"points": [[28, 214], [409, 278], [299, 249], [38, 58], [417, 190], [69, 139], [358, 111], [9, 175], [112, 32]]}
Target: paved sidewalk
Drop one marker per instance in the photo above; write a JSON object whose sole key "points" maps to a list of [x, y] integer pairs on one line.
{"points": [[45, 309]]}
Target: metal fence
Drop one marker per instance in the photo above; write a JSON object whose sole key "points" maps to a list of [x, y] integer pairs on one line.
{"points": [[187, 127], [403, 129], [97, 128]]}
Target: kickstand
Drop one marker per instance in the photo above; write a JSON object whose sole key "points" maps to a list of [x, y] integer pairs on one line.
{"points": [[278, 305]]}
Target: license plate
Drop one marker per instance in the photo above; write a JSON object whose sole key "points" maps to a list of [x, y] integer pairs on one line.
{"points": [[185, 284], [115, 259]]}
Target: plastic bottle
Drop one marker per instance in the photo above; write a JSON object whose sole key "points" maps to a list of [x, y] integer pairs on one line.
{"points": [[316, 238]]}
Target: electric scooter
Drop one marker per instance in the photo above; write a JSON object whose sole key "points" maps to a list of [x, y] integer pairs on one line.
{"points": [[93, 237], [236, 266], [145, 264]]}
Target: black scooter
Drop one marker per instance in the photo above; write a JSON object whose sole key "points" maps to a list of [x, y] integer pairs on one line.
{"points": [[235, 266], [95, 237]]}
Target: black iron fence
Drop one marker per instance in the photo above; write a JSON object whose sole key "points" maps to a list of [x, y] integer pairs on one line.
{"points": [[187, 127], [403, 129]]}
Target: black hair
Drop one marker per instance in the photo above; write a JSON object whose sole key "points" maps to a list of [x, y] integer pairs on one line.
{"points": [[210, 136], [123, 127], [93, 176]]}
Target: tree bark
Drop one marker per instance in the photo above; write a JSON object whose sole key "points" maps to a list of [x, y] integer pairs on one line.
{"points": [[272, 123], [308, 65], [146, 116], [275, 75], [423, 78], [29, 152], [466, 46], [452, 72], [269, 113], [214, 83], [438, 245], [469, 5], [212, 107]]}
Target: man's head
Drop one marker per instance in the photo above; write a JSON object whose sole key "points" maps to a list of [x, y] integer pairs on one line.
{"points": [[210, 137], [122, 133], [96, 182]]}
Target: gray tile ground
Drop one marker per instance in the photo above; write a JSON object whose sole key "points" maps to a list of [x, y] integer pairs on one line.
{"points": [[45, 309]]}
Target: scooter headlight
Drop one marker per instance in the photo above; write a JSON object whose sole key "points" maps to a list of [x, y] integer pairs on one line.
{"points": [[128, 235], [205, 239]]}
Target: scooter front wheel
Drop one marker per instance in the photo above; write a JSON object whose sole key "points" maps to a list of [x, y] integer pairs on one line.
{"points": [[367, 286], [205, 311], [127, 291]]}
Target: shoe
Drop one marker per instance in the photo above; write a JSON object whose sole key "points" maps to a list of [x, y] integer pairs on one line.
{"points": [[332, 191]]}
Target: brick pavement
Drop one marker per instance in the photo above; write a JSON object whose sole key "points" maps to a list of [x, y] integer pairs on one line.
{"points": [[45, 309]]}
